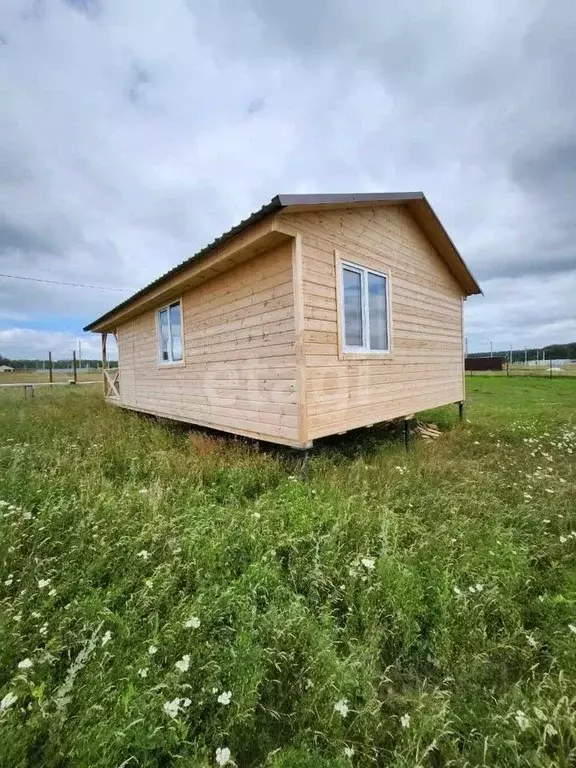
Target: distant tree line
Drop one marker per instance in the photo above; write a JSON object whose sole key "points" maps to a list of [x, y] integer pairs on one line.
{"points": [[28, 365], [554, 351]]}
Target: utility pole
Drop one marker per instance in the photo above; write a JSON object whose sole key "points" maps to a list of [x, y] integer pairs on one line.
{"points": [[490, 349], [525, 355]]}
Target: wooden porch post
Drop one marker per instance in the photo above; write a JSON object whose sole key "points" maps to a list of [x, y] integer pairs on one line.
{"points": [[104, 360], [104, 364]]}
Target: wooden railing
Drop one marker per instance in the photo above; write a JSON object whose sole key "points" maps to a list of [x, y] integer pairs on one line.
{"points": [[112, 383]]}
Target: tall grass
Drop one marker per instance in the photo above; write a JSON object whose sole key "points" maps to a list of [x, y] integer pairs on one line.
{"points": [[166, 594]]}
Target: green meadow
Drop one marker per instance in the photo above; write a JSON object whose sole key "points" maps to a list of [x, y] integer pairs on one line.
{"points": [[173, 598]]}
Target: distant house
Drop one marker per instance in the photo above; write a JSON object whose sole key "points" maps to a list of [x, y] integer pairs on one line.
{"points": [[316, 315], [6, 369]]}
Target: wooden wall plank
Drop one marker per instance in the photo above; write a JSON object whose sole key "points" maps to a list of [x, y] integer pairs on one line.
{"points": [[425, 367], [240, 369]]}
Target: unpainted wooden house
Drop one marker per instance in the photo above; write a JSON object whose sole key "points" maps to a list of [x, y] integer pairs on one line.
{"points": [[316, 315]]}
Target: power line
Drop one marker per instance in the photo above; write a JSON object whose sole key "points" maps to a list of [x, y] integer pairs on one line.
{"points": [[72, 285]]}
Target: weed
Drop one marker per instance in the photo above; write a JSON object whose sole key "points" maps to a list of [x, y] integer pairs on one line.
{"points": [[170, 598]]}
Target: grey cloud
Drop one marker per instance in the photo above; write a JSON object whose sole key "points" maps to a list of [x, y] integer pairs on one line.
{"points": [[131, 136], [90, 8], [256, 105], [139, 77], [18, 237]]}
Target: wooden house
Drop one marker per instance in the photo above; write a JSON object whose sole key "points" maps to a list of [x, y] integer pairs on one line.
{"points": [[315, 315]]}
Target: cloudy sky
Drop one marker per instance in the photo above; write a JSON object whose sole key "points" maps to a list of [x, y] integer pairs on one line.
{"points": [[132, 132]]}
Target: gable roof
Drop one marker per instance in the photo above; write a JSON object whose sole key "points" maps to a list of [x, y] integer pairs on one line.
{"points": [[416, 201]]}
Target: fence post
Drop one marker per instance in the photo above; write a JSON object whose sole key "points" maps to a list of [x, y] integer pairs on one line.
{"points": [[50, 372], [74, 366], [550, 367], [507, 368]]}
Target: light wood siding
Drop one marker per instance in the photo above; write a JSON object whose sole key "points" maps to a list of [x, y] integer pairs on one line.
{"points": [[239, 371], [424, 369]]}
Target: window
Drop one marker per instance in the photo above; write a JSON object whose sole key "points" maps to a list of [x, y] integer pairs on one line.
{"points": [[170, 333], [365, 321]]}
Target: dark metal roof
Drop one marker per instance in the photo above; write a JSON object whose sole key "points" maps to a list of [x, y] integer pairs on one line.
{"points": [[334, 199], [278, 203]]}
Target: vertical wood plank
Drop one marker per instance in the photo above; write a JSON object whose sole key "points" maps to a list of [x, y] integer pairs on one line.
{"points": [[104, 363], [463, 350], [298, 285]]}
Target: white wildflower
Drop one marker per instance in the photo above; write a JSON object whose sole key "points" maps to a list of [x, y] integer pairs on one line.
{"points": [[572, 628], [225, 697], [8, 701], [171, 708], [222, 755], [43, 629], [214, 690], [192, 623], [256, 515], [143, 672], [349, 751], [531, 641], [52, 592], [144, 554], [8, 581], [405, 720], [457, 591], [152, 649], [342, 707], [550, 730], [184, 664], [479, 587], [369, 563], [186, 702], [563, 539], [546, 520], [25, 664], [471, 589], [43, 583], [106, 637], [522, 719]]}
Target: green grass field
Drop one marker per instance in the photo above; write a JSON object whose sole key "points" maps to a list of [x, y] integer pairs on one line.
{"points": [[40, 377], [174, 599]]}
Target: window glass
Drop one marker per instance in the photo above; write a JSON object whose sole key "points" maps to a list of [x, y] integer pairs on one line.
{"points": [[377, 311], [352, 281], [170, 333], [176, 331], [365, 309], [164, 336]]}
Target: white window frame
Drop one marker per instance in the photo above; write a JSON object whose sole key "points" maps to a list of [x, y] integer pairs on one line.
{"points": [[169, 363], [365, 349]]}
